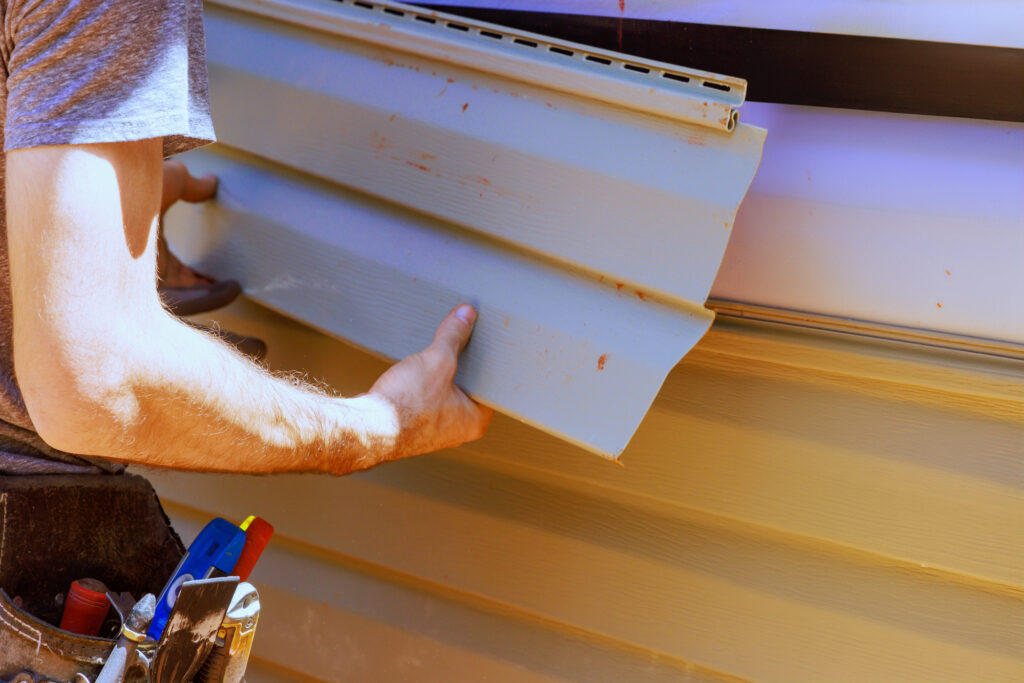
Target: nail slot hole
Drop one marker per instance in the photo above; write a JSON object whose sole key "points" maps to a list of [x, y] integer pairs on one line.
{"points": [[599, 60], [364, 5], [458, 27], [561, 51], [676, 77], [639, 69], [716, 86], [426, 19], [527, 43], [397, 13], [490, 34]]}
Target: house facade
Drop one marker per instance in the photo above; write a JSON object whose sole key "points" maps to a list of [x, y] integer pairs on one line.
{"points": [[828, 486]]}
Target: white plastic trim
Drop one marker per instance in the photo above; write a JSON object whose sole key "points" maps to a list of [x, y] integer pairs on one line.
{"points": [[983, 22]]}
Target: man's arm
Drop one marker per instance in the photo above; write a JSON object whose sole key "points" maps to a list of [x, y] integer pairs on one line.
{"points": [[105, 371]]}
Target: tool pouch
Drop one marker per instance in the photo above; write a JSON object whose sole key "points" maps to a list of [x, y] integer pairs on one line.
{"points": [[30, 645], [58, 528]]}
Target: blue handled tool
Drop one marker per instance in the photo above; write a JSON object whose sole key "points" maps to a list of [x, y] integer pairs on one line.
{"points": [[216, 548]]}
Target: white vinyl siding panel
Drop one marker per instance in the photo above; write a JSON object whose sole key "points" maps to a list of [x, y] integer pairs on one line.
{"points": [[583, 208], [906, 220]]}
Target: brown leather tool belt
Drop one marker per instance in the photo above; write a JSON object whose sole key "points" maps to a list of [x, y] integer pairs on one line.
{"points": [[55, 529]]}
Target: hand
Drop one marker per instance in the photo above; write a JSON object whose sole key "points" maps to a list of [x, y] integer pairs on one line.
{"points": [[179, 184], [433, 413]]}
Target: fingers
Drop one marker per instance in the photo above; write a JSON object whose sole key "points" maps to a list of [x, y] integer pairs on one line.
{"points": [[454, 331], [199, 189], [180, 184], [174, 183]]}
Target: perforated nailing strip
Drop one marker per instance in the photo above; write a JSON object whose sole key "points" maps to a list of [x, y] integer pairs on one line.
{"points": [[721, 90]]}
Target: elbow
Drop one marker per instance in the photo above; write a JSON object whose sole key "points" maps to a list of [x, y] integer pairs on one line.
{"points": [[77, 407]]}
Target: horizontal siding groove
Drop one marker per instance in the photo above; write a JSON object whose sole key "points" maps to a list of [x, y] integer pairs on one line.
{"points": [[188, 516], [553, 484], [870, 358], [864, 329], [629, 503], [287, 555], [780, 450], [941, 391], [521, 253], [929, 487], [523, 545], [261, 670]]}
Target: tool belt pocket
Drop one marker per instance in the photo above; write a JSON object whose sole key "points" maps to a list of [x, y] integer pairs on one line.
{"points": [[55, 529], [36, 651]]}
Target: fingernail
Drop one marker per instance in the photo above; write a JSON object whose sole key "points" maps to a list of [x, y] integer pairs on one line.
{"points": [[466, 314]]}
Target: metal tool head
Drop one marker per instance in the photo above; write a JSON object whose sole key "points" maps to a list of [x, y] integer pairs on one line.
{"points": [[141, 614]]}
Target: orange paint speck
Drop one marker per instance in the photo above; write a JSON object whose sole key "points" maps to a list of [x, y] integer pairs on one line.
{"points": [[451, 80], [619, 286], [639, 294], [506, 320], [415, 165], [380, 142], [427, 157], [392, 117], [482, 180], [600, 278], [465, 106], [695, 139], [948, 273], [724, 121], [601, 361], [938, 304]]}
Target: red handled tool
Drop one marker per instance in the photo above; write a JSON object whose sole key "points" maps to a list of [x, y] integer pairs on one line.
{"points": [[257, 534]]}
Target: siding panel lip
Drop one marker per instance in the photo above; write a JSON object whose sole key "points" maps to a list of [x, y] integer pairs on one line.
{"points": [[697, 97], [727, 309]]}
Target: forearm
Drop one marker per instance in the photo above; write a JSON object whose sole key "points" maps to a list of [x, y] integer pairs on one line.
{"points": [[105, 371], [191, 402]]}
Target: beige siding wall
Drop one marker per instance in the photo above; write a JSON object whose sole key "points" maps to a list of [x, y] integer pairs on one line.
{"points": [[797, 506]]}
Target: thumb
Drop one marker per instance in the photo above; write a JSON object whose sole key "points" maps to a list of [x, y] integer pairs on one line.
{"points": [[174, 174], [455, 330]]}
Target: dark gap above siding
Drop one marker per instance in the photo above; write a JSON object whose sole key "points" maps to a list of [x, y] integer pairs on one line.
{"points": [[797, 67]]}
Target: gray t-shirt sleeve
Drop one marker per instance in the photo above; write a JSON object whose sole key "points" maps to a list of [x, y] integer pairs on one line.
{"points": [[87, 71]]}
